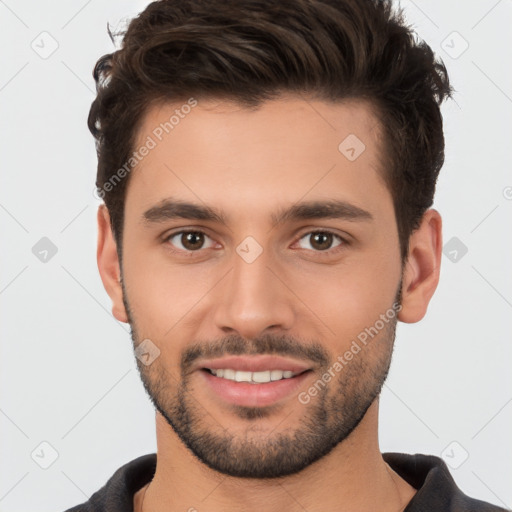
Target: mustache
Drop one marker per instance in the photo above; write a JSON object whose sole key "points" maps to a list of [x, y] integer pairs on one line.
{"points": [[265, 344]]}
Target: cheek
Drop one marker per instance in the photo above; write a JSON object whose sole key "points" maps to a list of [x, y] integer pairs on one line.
{"points": [[162, 295], [350, 297]]}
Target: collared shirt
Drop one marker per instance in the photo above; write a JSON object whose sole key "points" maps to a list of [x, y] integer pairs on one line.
{"points": [[429, 475]]}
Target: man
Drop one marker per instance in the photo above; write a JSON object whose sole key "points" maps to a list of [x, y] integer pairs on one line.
{"points": [[268, 170]]}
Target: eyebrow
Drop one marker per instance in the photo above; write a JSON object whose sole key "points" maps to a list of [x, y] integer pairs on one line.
{"points": [[170, 209]]}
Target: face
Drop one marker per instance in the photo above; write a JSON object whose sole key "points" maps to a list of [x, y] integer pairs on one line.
{"points": [[261, 263]]}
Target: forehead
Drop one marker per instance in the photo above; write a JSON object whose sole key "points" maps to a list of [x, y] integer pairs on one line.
{"points": [[286, 122], [279, 152]]}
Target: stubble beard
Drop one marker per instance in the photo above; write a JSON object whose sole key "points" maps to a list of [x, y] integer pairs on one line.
{"points": [[328, 419]]}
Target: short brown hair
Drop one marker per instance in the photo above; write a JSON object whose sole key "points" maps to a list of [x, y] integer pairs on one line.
{"points": [[250, 51]]}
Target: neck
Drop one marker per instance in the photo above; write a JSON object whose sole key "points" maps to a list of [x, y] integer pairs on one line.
{"points": [[353, 476]]}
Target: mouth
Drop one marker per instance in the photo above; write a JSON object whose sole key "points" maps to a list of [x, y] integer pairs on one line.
{"points": [[261, 377], [253, 381]]}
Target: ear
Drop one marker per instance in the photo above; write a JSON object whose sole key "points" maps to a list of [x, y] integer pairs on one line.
{"points": [[421, 273], [108, 264]]}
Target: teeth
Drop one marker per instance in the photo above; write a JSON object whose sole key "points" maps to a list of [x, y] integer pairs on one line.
{"points": [[228, 374], [276, 375], [253, 377], [261, 376], [243, 376]]}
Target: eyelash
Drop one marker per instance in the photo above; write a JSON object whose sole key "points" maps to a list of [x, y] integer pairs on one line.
{"points": [[327, 252]]}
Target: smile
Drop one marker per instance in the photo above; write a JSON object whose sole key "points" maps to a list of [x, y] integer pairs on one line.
{"points": [[260, 377]]}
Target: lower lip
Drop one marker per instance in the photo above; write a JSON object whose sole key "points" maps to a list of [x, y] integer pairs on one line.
{"points": [[253, 395]]}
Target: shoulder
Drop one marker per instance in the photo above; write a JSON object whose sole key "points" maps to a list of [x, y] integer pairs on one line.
{"points": [[436, 488], [117, 494]]}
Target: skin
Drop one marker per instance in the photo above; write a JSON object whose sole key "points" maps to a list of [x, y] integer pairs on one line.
{"points": [[249, 164]]}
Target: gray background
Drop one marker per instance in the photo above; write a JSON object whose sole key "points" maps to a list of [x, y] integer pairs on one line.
{"points": [[68, 377]]}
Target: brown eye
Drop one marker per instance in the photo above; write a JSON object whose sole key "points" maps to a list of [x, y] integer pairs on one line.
{"points": [[189, 241], [320, 240], [192, 240]]}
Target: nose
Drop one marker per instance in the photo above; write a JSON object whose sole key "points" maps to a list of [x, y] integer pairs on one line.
{"points": [[253, 299]]}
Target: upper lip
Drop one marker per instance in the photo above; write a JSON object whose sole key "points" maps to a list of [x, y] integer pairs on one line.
{"points": [[258, 363]]}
